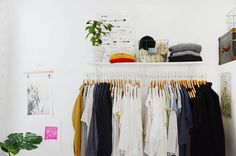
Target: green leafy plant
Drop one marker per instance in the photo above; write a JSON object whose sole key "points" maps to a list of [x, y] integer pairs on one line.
{"points": [[18, 141], [97, 29]]}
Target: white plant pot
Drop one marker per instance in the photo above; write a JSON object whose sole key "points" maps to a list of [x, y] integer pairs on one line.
{"points": [[97, 53]]}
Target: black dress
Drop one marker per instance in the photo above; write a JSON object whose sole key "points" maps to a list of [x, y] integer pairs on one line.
{"points": [[207, 134]]}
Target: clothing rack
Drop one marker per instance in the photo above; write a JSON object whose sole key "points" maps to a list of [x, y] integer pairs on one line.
{"points": [[187, 79], [176, 104]]}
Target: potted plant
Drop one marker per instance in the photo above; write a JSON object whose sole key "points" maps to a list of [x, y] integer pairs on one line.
{"points": [[96, 30], [19, 141]]}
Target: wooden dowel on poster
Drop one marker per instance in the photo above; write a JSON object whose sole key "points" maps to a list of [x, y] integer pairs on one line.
{"points": [[40, 72], [49, 72]]}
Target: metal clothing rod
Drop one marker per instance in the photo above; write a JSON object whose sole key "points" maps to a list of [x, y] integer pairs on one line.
{"points": [[153, 76]]}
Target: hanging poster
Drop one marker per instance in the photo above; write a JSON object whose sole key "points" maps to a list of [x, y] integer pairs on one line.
{"points": [[226, 94], [121, 38], [39, 95]]}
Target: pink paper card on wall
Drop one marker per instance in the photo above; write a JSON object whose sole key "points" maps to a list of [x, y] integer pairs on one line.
{"points": [[51, 133]]}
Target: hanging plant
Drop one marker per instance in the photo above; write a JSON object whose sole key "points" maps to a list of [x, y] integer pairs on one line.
{"points": [[18, 141], [97, 29]]}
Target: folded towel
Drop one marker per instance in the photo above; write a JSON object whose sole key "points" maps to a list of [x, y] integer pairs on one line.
{"points": [[185, 58], [121, 60], [186, 47], [122, 57], [182, 53]]}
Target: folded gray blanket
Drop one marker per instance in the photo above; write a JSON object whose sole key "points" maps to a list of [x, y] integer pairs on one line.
{"points": [[186, 47], [182, 53]]}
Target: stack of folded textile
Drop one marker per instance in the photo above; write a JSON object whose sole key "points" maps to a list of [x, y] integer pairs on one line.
{"points": [[122, 57], [185, 52]]}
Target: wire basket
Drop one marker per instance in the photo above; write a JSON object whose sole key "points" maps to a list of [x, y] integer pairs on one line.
{"points": [[231, 19], [158, 52]]}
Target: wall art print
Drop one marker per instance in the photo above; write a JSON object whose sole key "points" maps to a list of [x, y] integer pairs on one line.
{"points": [[39, 95], [51, 133], [122, 34], [121, 38], [225, 90]]}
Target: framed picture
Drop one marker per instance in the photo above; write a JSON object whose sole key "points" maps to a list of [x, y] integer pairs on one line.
{"points": [[225, 89], [51, 133], [39, 95]]}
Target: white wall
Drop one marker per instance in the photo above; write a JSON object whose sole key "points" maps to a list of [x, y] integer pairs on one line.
{"points": [[3, 65], [230, 124], [49, 34]]}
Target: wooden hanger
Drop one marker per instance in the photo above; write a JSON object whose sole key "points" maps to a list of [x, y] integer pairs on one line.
{"points": [[151, 85], [119, 83], [189, 94], [193, 87], [198, 84], [109, 82], [185, 83], [180, 82], [159, 84], [139, 83]]}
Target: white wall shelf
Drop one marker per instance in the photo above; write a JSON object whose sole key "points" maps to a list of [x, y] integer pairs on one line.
{"points": [[147, 63]]}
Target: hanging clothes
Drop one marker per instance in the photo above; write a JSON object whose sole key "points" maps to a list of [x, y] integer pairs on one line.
{"points": [[104, 121], [100, 131], [156, 136], [125, 122], [207, 135], [181, 119], [172, 142], [130, 141], [83, 125], [76, 115], [184, 122], [147, 126], [86, 117], [92, 144], [116, 120], [87, 112]]}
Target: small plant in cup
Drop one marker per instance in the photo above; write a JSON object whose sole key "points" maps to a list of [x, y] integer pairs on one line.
{"points": [[96, 30]]}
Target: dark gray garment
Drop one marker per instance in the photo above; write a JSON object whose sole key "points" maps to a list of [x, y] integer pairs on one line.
{"points": [[186, 47], [182, 53], [83, 132], [184, 122], [104, 122], [185, 58], [188, 112], [182, 129], [92, 144]]}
